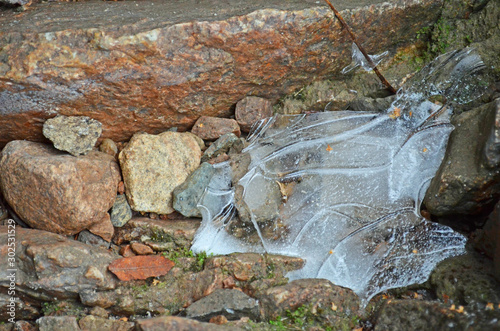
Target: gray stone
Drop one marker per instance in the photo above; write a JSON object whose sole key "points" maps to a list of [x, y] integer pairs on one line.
{"points": [[233, 304], [121, 212], [466, 280], [463, 183], [154, 165], [188, 194], [57, 323], [76, 135], [15, 2], [221, 145], [51, 266], [89, 238]]}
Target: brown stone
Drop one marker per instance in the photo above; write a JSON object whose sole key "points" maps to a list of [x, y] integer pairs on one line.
{"points": [[126, 251], [211, 128], [250, 110], [57, 192], [316, 294], [141, 249], [164, 64], [219, 320]]}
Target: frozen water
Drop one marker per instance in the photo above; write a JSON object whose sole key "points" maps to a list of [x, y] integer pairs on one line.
{"points": [[342, 190], [359, 60]]}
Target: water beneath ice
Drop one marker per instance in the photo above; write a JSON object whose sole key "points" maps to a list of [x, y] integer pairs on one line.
{"points": [[343, 189]]}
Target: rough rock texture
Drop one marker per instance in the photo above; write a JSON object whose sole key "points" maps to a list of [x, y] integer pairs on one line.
{"points": [[220, 146], [59, 323], [212, 128], [96, 323], [233, 304], [173, 323], [333, 305], [154, 165], [136, 66], [487, 239], [76, 135], [54, 191], [121, 212], [50, 267], [188, 194], [254, 273], [89, 238], [250, 110], [162, 235], [466, 280], [426, 315], [108, 146], [464, 184]]}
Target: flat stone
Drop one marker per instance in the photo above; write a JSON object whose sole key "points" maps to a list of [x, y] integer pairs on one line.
{"points": [[463, 183], [212, 128], [103, 324], [121, 212], [141, 249], [179, 233], [136, 66], [89, 238], [251, 110], [188, 194], [50, 266], [154, 165], [233, 304], [76, 135], [173, 323], [57, 323], [56, 192]]}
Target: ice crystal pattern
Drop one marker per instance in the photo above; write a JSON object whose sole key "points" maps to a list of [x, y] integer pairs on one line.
{"points": [[351, 184]]}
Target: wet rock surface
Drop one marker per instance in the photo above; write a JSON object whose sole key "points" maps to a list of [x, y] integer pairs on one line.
{"points": [[57, 192], [76, 135], [137, 66], [251, 110], [465, 183], [154, 165]]}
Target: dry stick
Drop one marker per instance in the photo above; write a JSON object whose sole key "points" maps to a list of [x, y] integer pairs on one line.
{"points": [[355, 40]]}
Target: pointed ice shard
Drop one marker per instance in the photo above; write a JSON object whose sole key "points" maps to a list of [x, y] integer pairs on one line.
{"points": [[343, 189], [358, 59]]}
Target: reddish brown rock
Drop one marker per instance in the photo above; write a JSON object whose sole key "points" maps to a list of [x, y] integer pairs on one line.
{"points": [[140, 267], [252, 109], [57, 192], [141, 249], [126, 251], [166, 63], [211, 128]]}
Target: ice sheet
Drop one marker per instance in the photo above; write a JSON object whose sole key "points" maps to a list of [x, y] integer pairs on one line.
{"points": [[342, 190]]}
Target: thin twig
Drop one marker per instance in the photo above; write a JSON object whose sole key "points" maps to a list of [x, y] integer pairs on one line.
{"points": [[355, 40]]}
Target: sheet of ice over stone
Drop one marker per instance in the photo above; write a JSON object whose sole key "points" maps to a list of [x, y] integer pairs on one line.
{"points": [[343, 189]]}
